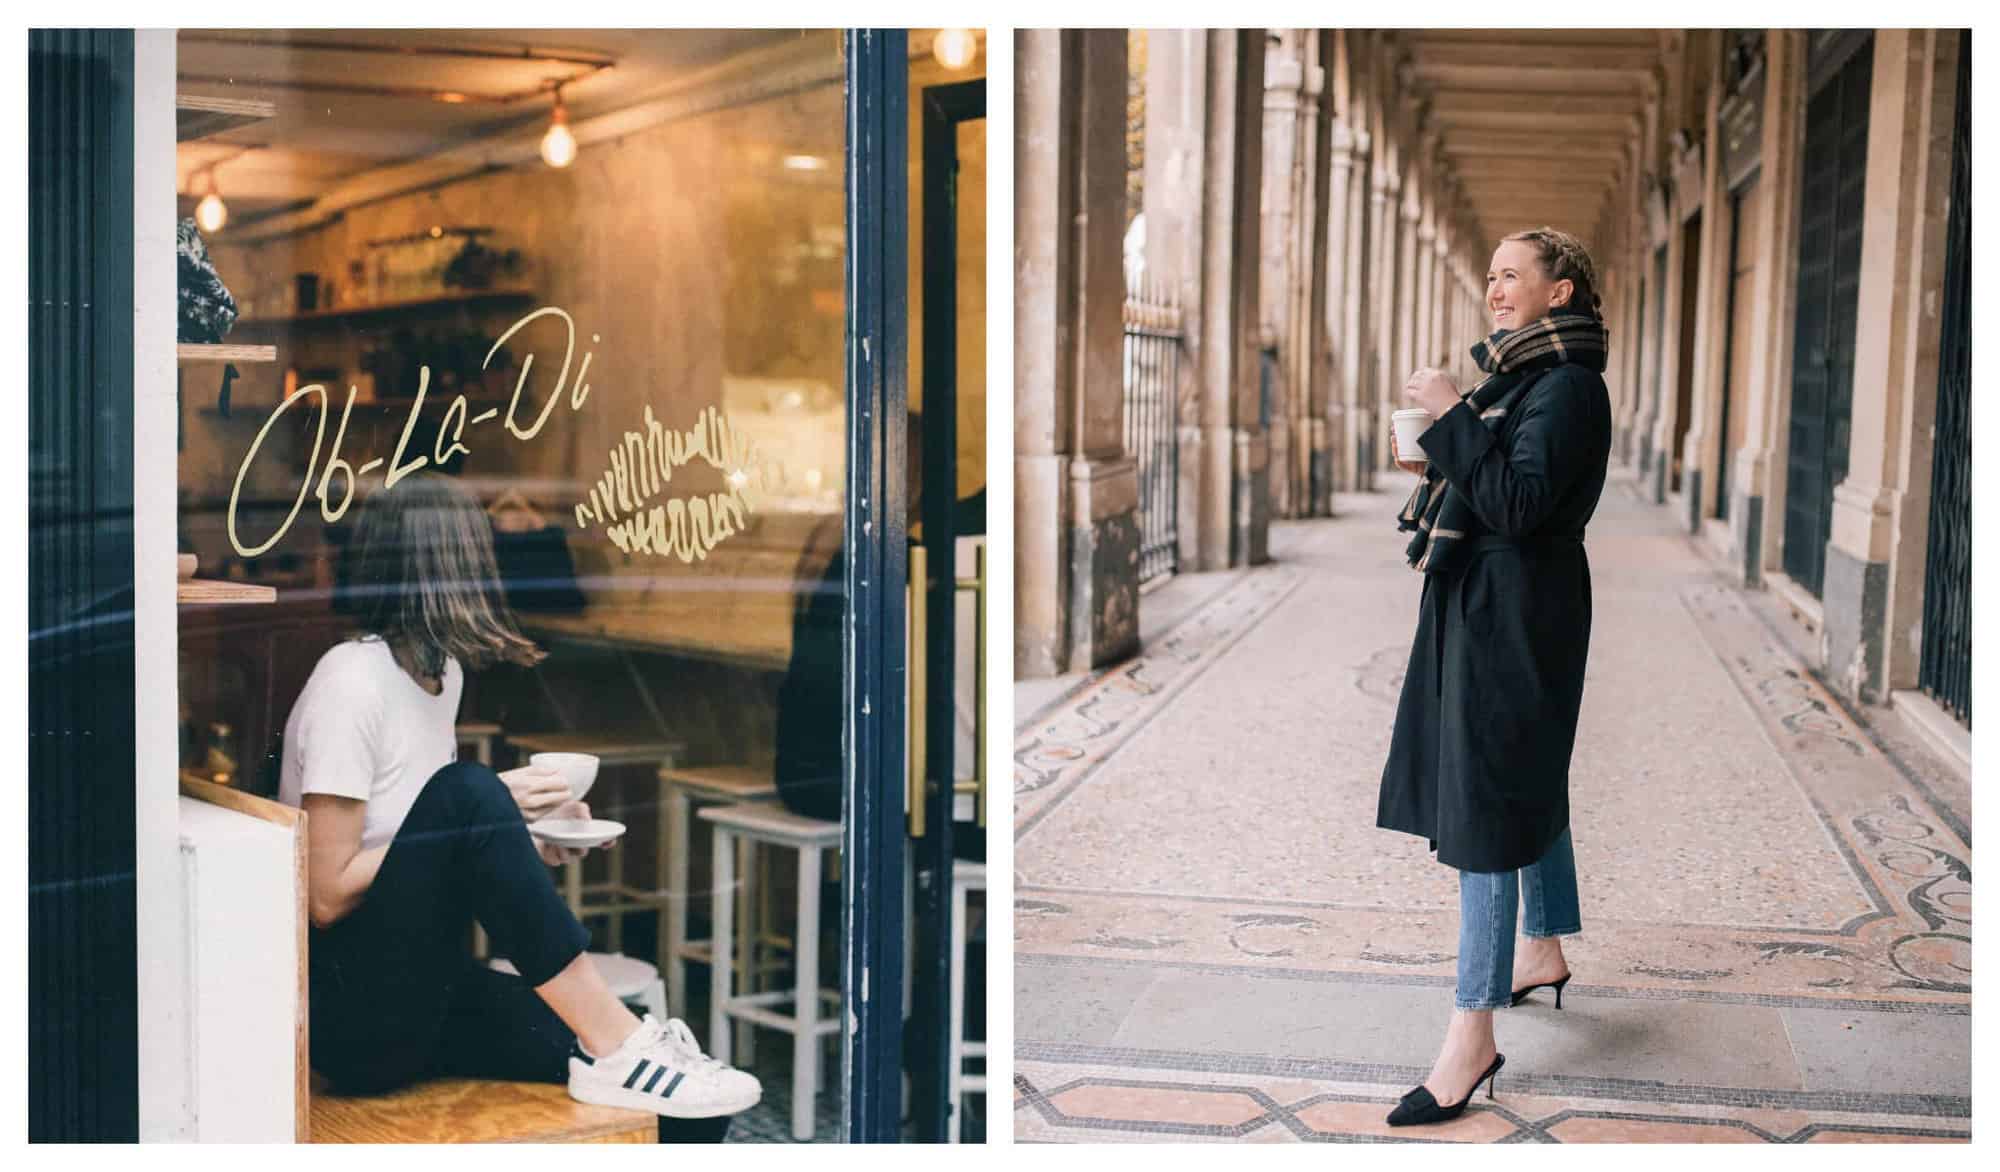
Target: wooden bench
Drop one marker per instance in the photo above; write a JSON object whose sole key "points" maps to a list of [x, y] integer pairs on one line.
{"points": [[473, 1111]]}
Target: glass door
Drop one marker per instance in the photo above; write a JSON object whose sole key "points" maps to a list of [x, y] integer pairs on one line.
{"points": [[947, 826]]}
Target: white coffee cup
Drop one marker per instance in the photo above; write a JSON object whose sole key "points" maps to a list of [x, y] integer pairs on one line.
{"points": [[1410, 423], [578, 769]]}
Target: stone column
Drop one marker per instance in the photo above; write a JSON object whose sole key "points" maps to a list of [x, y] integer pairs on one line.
{"points": [[1076, 491], [1424, 285], [1312, 366], [1875, 560], [1711, 323], [1411, 244], [1342, 344], [1356, 339], [1204, 108], [1441, 294], [1279, 274], [1757, 483], [1385, 212]]}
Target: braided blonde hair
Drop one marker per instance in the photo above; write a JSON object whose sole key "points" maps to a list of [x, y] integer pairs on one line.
{"points": [[1564, 258]]}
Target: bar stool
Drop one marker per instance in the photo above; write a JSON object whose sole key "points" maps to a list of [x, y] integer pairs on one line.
{"points": [[769, 824], [966, 877], [711, 785], [613, 750], [479, 735]]}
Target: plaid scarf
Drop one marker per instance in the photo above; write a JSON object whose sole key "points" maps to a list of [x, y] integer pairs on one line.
{"points": [[1439, 514]]}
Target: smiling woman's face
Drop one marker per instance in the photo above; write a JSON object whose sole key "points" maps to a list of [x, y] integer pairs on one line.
{"points": [[1518, 290]]}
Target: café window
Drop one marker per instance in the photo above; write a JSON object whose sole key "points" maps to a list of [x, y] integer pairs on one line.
{"points": [[516, 361]]}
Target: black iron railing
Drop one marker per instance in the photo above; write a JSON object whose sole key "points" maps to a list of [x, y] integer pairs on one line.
{"points": [[1152, 436], [1945, 670]]}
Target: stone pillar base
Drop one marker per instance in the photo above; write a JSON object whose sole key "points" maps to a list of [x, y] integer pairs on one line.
{"points": [[1746, 528], [1368, 446], [1322, 469], [1855, 599], [1691, 484], [1250, 527], [1103, 566], [1660, 481], [1040, 649]]}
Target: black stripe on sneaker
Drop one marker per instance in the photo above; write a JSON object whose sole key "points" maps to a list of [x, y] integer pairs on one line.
{"points": [[658, 1072], [669, 1092], [637, 1072]]}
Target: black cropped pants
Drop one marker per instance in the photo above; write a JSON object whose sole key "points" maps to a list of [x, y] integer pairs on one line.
{"points": [[396, 995]]}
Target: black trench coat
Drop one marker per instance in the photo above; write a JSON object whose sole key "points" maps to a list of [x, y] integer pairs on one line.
{"points": [[1479, 760]]}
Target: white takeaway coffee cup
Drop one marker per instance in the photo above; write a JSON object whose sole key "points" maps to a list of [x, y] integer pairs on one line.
{"points": [[1411, 422], [578, 769]]}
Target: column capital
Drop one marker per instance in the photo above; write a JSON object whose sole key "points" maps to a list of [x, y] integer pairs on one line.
{"points": [[1364, 143], [1343, 143]]}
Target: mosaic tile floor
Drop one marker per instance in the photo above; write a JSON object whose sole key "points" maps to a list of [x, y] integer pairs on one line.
{"points": [[1752, 861]]}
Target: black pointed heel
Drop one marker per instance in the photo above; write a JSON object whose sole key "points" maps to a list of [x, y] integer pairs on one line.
{"points": [[1420, 1106], [1521, 995]]}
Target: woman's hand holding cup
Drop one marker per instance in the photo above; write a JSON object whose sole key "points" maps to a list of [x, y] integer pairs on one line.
{"points": [[1413, 467], [1432, 389], [539, 792]]}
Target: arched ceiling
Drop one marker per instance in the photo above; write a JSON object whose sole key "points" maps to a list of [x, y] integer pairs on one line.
{"points": [[1535, 126]]}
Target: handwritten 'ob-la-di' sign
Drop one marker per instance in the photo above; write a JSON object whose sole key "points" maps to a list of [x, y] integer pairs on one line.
{"points": [[450, 433]]}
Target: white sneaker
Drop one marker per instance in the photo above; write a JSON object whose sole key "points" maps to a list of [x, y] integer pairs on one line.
{"points": [[661, 1069]]}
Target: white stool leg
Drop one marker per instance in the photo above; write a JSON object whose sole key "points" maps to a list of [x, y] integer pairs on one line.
{"points": [[614, 869], [573, 886], [955, 1070], [722, 901], [805, 958], [674, 916], [746, 941]]}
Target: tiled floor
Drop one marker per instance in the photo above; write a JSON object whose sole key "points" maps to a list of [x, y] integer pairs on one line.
{"points": [[1777, 913]]}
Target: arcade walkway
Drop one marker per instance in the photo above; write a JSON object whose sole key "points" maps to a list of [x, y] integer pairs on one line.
{"points": [[1213, 940]]}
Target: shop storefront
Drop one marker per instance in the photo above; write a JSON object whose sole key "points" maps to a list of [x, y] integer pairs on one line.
{"points": [[693, 323]]}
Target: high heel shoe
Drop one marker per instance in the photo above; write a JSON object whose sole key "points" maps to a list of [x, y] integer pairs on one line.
{"points": [[1420, 1106], [1521, 995]]}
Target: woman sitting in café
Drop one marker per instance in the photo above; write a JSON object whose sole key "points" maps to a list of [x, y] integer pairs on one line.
{"points": [[408, 846]]}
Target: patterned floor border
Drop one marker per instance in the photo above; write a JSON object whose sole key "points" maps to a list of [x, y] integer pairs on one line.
{"points": [[1250, 972], [1345, 1103]]}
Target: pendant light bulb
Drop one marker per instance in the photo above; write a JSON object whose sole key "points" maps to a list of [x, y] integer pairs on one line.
{"points": [[211, 213], [955, 48], [559, 145]]}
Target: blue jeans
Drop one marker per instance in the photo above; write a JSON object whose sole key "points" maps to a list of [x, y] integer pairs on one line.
{"points": [[1487, 904]]}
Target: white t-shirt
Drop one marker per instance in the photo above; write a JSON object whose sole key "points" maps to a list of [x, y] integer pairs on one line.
{"points": [[362, 728]]}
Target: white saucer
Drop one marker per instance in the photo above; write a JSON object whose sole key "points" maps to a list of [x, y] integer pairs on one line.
{"points": [[581, 833]]}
